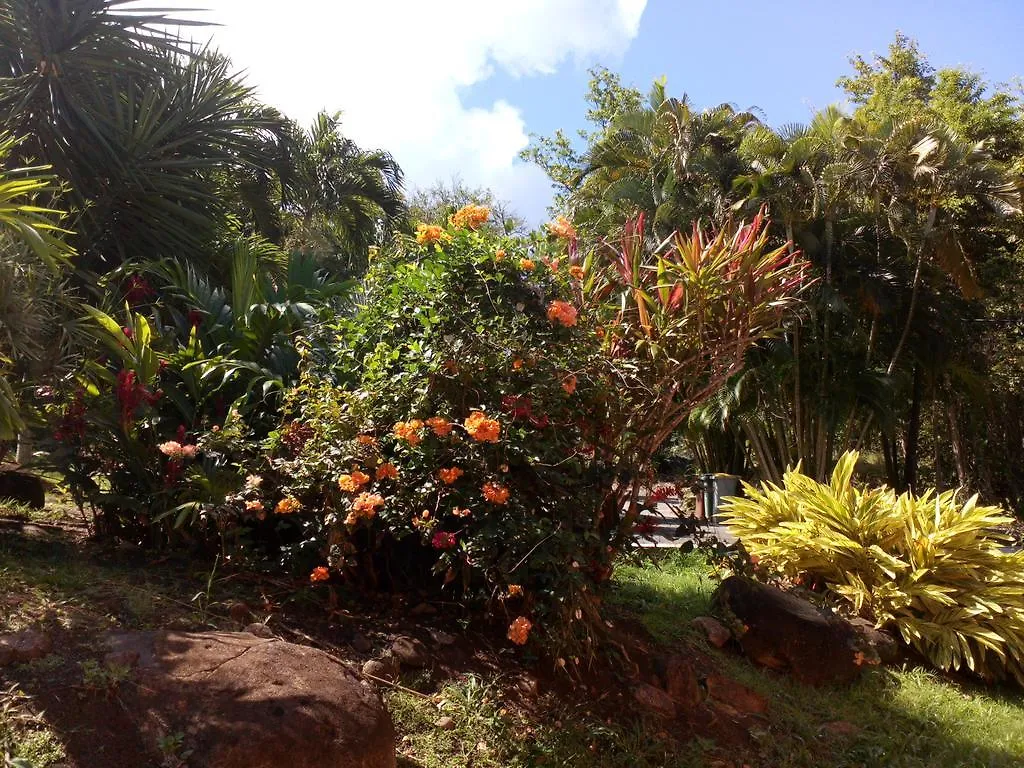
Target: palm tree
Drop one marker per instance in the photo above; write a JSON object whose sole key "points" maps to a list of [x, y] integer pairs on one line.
{"points": [[341, 199], [668, 160], [134, 119]]}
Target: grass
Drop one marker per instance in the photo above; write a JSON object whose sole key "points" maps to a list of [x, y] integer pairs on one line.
{"points": [[906, 718], [489, 733]]}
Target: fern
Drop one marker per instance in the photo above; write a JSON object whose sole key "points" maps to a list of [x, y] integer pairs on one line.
{"points": [[929, 567]]}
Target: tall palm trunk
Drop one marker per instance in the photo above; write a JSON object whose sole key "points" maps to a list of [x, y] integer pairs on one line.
{"points": [[915, 290]]}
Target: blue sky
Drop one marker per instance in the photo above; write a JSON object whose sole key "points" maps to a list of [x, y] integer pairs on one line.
{"points": [[783, 56], [454, 87]]}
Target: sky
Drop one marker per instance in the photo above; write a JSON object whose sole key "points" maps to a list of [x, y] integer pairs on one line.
{"points": [[455, 88]]}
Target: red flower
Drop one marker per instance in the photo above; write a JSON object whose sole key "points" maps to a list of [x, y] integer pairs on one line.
{"points": [[519, 406], [195, 317], [138, 290], [443, 540], [128, 332]]}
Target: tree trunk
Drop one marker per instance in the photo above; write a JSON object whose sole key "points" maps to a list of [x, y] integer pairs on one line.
{"points": [[914, 290], [913, 432], [26, 447], [956, 440]]}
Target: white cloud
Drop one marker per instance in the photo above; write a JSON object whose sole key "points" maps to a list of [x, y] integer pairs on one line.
{"points": [[395, 69]]}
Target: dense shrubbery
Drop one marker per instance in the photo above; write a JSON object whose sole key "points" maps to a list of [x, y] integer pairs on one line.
{"points": [[928, 566], [479, 423]]}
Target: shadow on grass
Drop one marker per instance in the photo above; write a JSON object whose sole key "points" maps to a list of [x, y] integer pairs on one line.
{"points": [[903, 718]]}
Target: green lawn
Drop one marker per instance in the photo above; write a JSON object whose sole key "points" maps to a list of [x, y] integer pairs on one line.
{"points": [[906, 718]]}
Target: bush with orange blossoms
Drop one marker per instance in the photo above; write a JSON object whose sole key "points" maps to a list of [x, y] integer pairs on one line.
{"points": [[562, 313], [409, 431], [320, 573], [482, 428], [561, 227], [427, 234], [496, 493], [450, 474], [470, 217], [387, 471], [354, 481], [527, 265], [519, 630], [576, 272], [441, 426], [287, 506]]}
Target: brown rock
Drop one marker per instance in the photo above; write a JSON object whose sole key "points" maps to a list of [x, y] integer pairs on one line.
{"points": [[22, 487], [259, 629], [681, 682], [410, 652], [715, 631], [878, 645], [423, 609], [248, 702], [21, 647], [529, 686], [787, 633], [654, 700], [360, 642], [442, 638], [382, 669], [736, 697], [445, 723]]}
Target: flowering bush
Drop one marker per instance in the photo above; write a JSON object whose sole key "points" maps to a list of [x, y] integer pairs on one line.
{"points": [[451, 429]]}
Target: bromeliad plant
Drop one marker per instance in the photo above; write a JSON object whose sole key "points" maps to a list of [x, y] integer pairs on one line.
{"points": [[929, 566]]}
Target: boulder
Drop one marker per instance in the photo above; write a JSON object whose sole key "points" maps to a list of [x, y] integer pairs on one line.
{"points": [[23, 487], [718, 635], [411, 652], [784, 632], [681, 682], [734, 696], [654, 700], [242, 701], [22, 647]]}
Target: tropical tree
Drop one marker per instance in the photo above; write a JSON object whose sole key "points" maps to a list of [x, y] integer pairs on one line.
{"points": [[133, 118]]}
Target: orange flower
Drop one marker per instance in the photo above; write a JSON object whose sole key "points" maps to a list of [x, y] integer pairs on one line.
{"points": [[366, 503], [499, 255], [355, 481], [527, 265], [519, 630], [599, 331], [430, 233], [470, 216], [577, 271], [562, 312], [254, 506], [514, 590], [409, 431], [364, 506], [366, 439], [481, 428], [496, 493], [517, 364], [387, 471], [287, 506], [563, 228], [461, 512], [569, 384], [441, 426], [320, 573], [450, 475]]}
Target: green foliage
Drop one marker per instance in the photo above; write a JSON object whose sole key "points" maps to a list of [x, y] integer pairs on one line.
{"points": [[928, 566], [455, 330]]}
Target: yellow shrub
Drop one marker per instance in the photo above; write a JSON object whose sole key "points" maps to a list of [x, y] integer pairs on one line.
{"points": [[928, 566]]}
